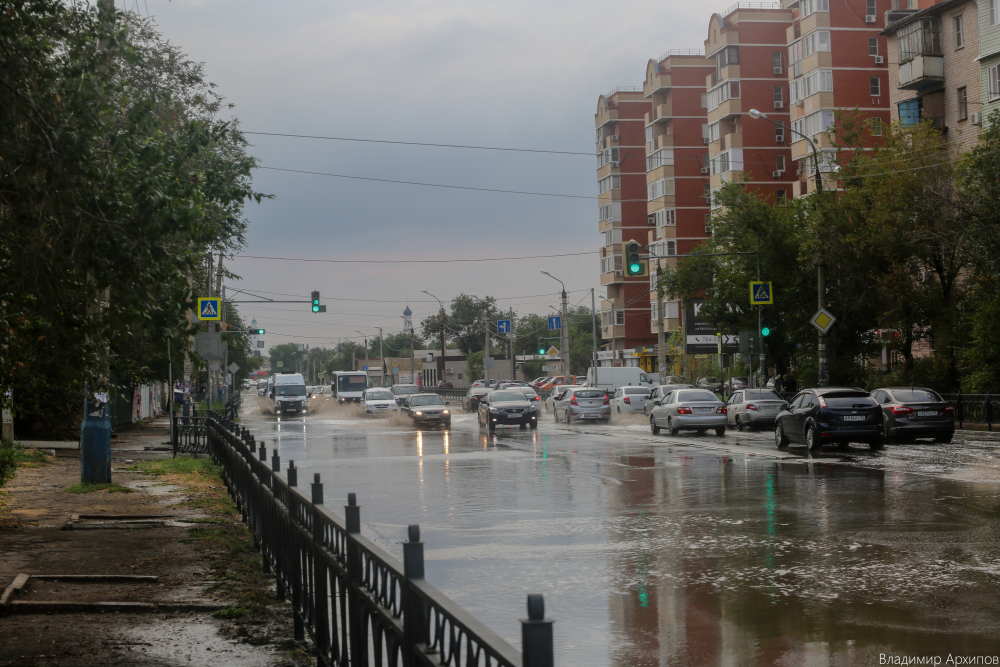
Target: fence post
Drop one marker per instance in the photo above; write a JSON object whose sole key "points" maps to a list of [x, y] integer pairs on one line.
{"points": [[173, 431], [355, 613], [961, 411], [266, 481], [989, 411], [536, 635], [279, 550], [415, 630], [320, 602], [293, 481]]}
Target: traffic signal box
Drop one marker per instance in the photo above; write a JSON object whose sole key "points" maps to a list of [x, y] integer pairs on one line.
{"points": [[634, 265], [316, 307], [541, 346]]}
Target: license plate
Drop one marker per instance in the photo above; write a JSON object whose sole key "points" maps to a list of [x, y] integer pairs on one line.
{"points": [[704, 409], [768, 408], [854, 418], [591, 415], [927, 413]]}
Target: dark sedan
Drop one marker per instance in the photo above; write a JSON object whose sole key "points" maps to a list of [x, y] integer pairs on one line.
{"points": [[507, 407], [839, 415], [470, 402], [427, 409], [915, 412]]}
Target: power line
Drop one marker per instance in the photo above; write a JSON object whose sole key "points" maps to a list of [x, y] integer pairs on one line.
{"points": [[415, 261], [417, 143]]}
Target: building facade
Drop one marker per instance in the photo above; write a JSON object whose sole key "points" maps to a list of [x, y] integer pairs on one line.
{"points": [[988, 35]]}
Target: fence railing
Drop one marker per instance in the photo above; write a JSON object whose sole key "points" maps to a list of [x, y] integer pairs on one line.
{"points": [[361, 607], [975, 408]]}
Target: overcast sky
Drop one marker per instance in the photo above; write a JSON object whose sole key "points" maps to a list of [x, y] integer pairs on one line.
{"points": [[512, 74]]}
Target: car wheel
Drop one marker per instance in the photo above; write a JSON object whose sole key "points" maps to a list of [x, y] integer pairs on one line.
{"points": [[569, 417], [670, 427], [739, 423], [812, 442], [447, 424], [534, 425], [780, 439], [493, 427], [721, 431], [944, 438], [653, 427], [877, 443], [522, 427], [619, 410]]}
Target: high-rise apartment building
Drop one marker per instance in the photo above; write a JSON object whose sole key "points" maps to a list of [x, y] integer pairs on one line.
{"points": [[621, 187]]}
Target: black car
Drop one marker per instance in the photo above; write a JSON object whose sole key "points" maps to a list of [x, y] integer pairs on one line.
{"points": [[915, 412], [830, 414], [427, 409], [507, 407], [470, 402]]}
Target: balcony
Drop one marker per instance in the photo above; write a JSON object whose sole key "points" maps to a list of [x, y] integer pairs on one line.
{"points": [[727, 109], [731, 140], [657, 83], [720, 75], [606, 116], [664, 141], [922, 73], [661, 113]]}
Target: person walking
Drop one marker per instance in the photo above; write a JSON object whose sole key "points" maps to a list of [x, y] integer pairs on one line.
{"points": [[779, 383], [790, 385]]}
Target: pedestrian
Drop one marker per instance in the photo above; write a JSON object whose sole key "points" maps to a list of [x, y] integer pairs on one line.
{"points": [[779, 383], [790, 385]]}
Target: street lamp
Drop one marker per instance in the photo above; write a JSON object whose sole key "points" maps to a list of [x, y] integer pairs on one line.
{"points": [[820, 265], [441, 322], [564, 333]]}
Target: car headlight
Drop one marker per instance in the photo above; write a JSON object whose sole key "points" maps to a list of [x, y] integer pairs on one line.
{"points": [[445, 412], [418, 413], [496, 410]]}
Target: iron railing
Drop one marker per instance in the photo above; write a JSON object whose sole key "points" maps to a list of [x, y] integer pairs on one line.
{"points": [[189, 434], [361, 607], [975, 408]]}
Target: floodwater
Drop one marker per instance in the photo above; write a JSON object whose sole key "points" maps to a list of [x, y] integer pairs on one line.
{"points": [[675, 551]]}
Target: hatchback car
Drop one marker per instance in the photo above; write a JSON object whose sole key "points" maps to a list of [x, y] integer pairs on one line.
{"points": [[830, 414], [507, 407], [689, 410], [659, 393], [629, 399], [427, 409], [550, 402], [915, 412], [378, 400], [401, 391], [470, 402], [582, 403], [753, 408]]}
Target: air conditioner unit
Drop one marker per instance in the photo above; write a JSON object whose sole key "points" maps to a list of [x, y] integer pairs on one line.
{"points": [[775, 174], [704, 170], [779, 138], [779, 105], [976, 118], [618, 272], [614, 137], [779, 70], [799, 103], [870, 18], [449, 371], [707, 140], [879, 60], [614, 163]]}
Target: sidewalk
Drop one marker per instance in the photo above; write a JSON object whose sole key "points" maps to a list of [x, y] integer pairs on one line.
{"points": [[208, 605]]}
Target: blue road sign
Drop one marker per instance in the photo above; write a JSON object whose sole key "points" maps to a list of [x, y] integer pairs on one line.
{"points": [[364, 368], [503, 326], [555, 322], [210, 309], [761, 293]]}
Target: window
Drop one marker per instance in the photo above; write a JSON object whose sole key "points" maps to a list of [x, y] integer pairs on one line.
{"points": [[870, 9], [994, 12], [782, 197], [704, 100], [649, 139], [818, 81], [664, 217], [611, 263], [779, 135], [875, 85], [963, 103], [909, 112], [613, 236], [611, 212], [811, 6], [620, 316], [814, 123], [661, 158], [776, 62], [959, 32], [606, 156], [779, 97], [667, 248], [780, 163], [817, 40], [876, 127], [920, 38], [873, 46], [727, 56], [609, 183], [993, 82], [712, 132], [730, 90], [664, 187]]}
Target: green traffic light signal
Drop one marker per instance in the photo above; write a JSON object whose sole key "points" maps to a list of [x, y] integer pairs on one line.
{"points": [[765, 331], [635, 268], [260, 332], [315, 302]]}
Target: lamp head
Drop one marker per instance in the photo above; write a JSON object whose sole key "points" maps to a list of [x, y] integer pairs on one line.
{"points": [[756, 114]]}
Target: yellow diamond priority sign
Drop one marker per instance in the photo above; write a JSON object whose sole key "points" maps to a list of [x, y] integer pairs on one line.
{"points": [[552, 351], [823, 320]]}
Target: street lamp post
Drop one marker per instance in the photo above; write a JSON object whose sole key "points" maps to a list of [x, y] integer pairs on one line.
{"points": [[441, 322], [564, 332], [820, 264]]}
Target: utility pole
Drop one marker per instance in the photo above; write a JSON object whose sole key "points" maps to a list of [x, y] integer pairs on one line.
{"points": [[593, 321], [486, 351], [381, 358], [564, 329], [661, 342], [441, 322], [513, 364]]}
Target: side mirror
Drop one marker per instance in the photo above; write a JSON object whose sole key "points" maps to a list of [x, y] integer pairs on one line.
{"points": [[447, 403], [784, 406]]}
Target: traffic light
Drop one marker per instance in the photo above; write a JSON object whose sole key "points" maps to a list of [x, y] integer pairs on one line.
{"points": [[259, 332], [316, 308], [541, 346], [766, 328], [634, 266]]}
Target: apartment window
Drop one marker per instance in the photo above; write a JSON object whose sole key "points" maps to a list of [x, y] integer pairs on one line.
{"points": [[620, 317], [613, 237], [611, 263], [661, 158], [818, 81], [873, 46], [609, 183], [994, 12], [876, 127], [664, 187], [664, 248], [729, 90], [780, 163], [870, 9], [712, 132], [782, 197], [817, 40], [812, 6], [727, 56], [707, 191], [909, 112], [776, 62], [606, 156], [814, 123], [611, 212], [993, 82], [779, 135], [779, 97], [920, 38], [649, 139], [963, 103], [704, 100], [959, 32], [875, 86]]}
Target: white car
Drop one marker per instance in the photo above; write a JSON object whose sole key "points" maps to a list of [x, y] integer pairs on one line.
{"points": [[378, 400], [629, 400]]}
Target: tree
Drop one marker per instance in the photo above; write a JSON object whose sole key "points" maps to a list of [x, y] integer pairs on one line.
{"points": [[467, 323]]}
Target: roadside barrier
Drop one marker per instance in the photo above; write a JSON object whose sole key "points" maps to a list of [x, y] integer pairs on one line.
{"points": [[360, 606], [975, 408]]}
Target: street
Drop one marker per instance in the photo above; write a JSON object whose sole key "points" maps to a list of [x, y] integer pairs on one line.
{"points": [[653, 550]]}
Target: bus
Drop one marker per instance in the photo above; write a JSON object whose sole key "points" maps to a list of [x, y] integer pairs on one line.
{"points": [[347, 386]]}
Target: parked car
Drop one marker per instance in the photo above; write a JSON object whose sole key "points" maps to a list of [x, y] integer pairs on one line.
{"points": [[378, 400], [538, 383], [629, 399], [710, 383], [557, 381], [401, 391], [659, 393], [445, 384], [427, 409], [504, 384], [586, 403], [556, 393], [689, 410], [735, 384], [612, 378], [915, 412], [753, 408], [505, 408], [479, 383], [672, 379], [470, 402], [581, 379], [830, 414]]}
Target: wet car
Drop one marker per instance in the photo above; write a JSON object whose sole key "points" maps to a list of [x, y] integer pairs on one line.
{"points": [[629, 399], [507, 407], [659, 393], [824, 415], [556, 394], [531, 395], [378, 400], [470, 402], [582, 403], [401, 391], [915, 412], [754, 408], [427, 409], [689, 410]]}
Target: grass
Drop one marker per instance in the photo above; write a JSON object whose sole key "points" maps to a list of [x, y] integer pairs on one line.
{"points": [[91, 488]]}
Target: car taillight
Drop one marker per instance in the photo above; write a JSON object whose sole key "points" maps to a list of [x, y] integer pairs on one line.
{"points": [[572, 401], [901, 410], [751, 406], [683, 411], [822, 401], [628, 400], [722, 410], [949, 408], [607, 400]]}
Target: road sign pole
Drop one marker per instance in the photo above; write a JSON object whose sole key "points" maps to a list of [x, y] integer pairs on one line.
{"points": [[821, 289]]}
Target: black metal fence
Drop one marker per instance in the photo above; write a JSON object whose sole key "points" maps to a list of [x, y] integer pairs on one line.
{"points": [[975, 408], [361, 607]]}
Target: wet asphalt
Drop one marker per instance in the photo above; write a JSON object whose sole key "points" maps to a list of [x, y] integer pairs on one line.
{"points": [[688, 550]]}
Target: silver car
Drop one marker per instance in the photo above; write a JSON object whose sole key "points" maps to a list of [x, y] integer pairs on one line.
{"points": [[378, 400], [629, 399], [753, 408], [583, 403], [659, 393], [689, 410], [557, 392]]}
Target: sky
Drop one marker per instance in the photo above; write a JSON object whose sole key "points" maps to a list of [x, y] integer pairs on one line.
{"points": [[512, 74]]}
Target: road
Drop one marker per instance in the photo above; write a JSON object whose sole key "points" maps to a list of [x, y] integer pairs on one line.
{"points": [[700, 550]]}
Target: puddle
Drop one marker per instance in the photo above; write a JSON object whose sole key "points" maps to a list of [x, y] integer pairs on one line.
{"points": [[188, 640]]}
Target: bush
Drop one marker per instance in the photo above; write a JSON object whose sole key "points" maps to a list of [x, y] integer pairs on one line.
{"points": [[9, 455]]}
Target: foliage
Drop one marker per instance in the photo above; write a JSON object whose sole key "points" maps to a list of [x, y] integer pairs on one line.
{"points": [[474, 366], [467, 323], [91, 488], [8, 461], [288, 354]]}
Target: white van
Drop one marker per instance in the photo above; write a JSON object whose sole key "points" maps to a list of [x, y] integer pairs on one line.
{"points": [[348, 386], [610, 379], [289, 394]]}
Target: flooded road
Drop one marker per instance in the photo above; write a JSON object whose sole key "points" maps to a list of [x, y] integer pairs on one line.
{"points": [[679, 551]]}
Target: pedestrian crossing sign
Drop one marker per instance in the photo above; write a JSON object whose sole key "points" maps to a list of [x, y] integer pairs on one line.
{"points": [[210, 309], [761, 293]]}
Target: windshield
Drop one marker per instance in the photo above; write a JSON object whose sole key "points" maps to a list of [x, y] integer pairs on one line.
{"points": [[429, 399], [405, 389], [769, 395], [290, 390], [689, 396], [530, 393], [853, 399], [916, 396], [380, 395], [589, 393], [637, 390], [507, 396], [352, 383]]}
